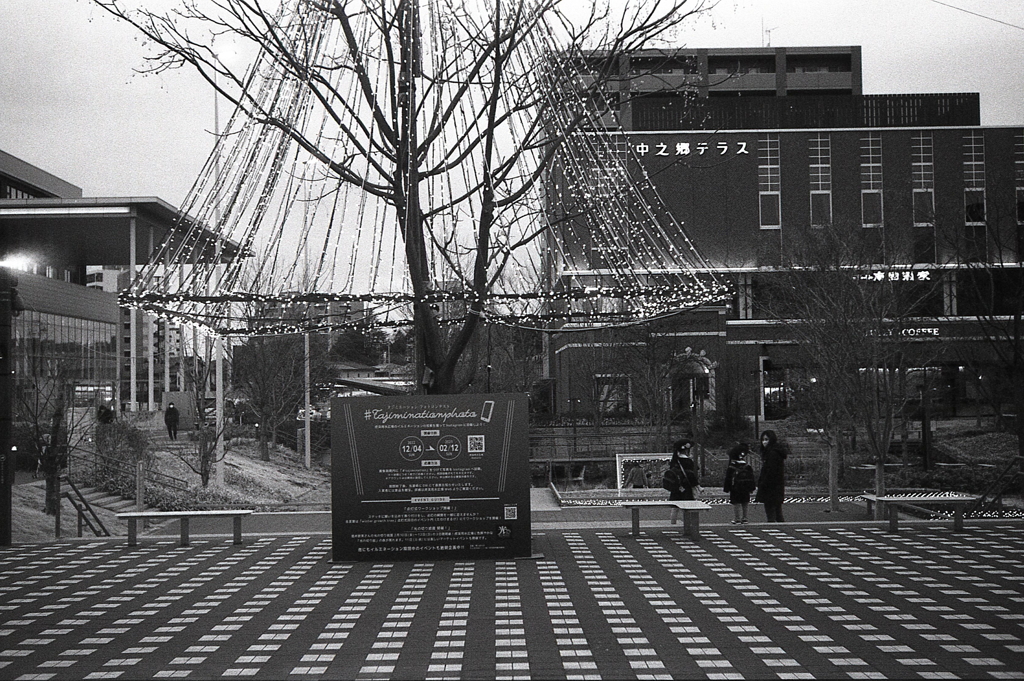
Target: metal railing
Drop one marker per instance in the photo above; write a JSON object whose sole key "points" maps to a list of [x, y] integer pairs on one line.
{"points": [[992, 498], [92, 465], [85, 511]]}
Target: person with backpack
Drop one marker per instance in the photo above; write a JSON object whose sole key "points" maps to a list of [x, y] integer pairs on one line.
{"points": [[680, 478], [771, 484], [739, 481]]}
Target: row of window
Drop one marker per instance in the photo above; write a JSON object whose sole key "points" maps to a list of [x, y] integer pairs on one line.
{"points": [[872, 205], [64, 348]]}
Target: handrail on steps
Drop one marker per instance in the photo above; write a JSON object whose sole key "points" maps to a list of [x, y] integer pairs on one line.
{"points": [[84, 511], [998, 488]]}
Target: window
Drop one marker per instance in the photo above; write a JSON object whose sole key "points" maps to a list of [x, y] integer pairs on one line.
{"points": [[974, 206], [974, 159], [975, 236], [821, 209], [821, 180], [871, 208], [612, 394], [871, 180], [769, 183], [974, 177], [924, 207], [923, 178]]}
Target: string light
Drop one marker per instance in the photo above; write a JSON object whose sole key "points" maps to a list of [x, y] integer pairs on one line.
{"points": [[276, 234]]}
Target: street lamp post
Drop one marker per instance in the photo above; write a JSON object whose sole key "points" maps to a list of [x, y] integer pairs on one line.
{"points": [[7, 283]]}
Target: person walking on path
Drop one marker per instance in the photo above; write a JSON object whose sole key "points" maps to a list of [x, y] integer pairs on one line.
{"points": [[739, 481], [171, 417], [681, 479], [771, 484]]}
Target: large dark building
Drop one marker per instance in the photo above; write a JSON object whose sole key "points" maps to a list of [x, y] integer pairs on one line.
{"points": [[750, 149]]}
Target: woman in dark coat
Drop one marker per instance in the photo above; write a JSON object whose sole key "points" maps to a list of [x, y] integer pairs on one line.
{"points": [[686, 472], [771, 484]]}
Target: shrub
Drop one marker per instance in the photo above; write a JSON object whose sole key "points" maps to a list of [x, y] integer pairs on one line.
{"points": [[970, 479]]}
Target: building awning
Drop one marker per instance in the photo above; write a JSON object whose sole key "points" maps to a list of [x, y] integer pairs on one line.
{"points": [[97, 231]]}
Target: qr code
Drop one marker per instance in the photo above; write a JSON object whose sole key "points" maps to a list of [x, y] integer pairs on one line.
{"points": [[511, 513], [475, 443]]}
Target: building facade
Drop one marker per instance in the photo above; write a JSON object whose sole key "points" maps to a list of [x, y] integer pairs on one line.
{"points": [[753, 150], [72, 255]]}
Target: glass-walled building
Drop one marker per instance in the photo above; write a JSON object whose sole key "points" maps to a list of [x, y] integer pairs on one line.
{"points": [[64, 340]]}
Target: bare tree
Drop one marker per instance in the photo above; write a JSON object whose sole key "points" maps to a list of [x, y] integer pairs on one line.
{"points": [[270, 373], [850, 310], [199, 450], [463, 111], [45, 402], [989, 285]]}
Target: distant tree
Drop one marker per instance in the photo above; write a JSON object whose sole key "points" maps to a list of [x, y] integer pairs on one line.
{"points": [[508, 361], [849, 309], [44, 400], [989, 284], [199, 450], [270, 372], [359, 345]]}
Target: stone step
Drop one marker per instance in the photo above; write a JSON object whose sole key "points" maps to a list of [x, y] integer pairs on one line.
{"points": [[101, 499]]}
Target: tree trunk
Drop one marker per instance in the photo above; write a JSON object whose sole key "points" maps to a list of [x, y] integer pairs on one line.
{"points": [[261, 439], [833, 474], [52, 492]]}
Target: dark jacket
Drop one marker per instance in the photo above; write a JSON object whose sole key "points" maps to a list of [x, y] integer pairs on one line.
{"points": [[771, 483], [687, 470], [735, 466], [171, 416]]}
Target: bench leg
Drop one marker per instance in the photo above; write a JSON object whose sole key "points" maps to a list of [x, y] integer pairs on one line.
{"points": [[184, 530], [238, 529], [894, 517], [636, 521], [691, 524], [133, 531], [958, 518]]}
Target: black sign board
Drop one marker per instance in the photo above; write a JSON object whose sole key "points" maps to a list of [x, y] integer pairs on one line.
{"points": [[430, 477]]}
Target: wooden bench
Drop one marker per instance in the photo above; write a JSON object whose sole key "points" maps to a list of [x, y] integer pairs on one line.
{"points": [[892, 503], [134, 517], [691, 513]]}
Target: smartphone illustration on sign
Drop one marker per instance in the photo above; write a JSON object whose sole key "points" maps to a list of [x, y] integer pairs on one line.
{"points": [[485, 413]]}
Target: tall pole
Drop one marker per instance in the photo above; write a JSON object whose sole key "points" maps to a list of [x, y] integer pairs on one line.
{"points": [[7, 283], [307, 438], [219, 352]]}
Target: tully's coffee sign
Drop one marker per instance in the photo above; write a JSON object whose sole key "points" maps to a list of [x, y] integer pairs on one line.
{"points": [[433, 477]]}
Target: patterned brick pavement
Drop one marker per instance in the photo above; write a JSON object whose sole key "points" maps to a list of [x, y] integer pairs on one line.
{"points": [[759, 601]]}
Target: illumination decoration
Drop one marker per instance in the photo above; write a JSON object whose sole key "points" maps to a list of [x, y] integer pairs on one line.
{"points": [[279, 241]]}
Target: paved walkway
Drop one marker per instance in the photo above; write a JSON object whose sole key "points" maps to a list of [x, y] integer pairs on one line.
{"points": [[801, 600]]}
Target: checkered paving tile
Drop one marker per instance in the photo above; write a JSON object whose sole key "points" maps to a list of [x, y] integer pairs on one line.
{"points": [[775, 602]]}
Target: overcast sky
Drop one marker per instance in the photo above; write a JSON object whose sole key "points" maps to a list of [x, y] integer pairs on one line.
{"points": [[71, 104]]}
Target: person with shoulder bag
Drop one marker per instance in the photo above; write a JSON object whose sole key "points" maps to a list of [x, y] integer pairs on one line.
{"points": [[680, 478]]}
